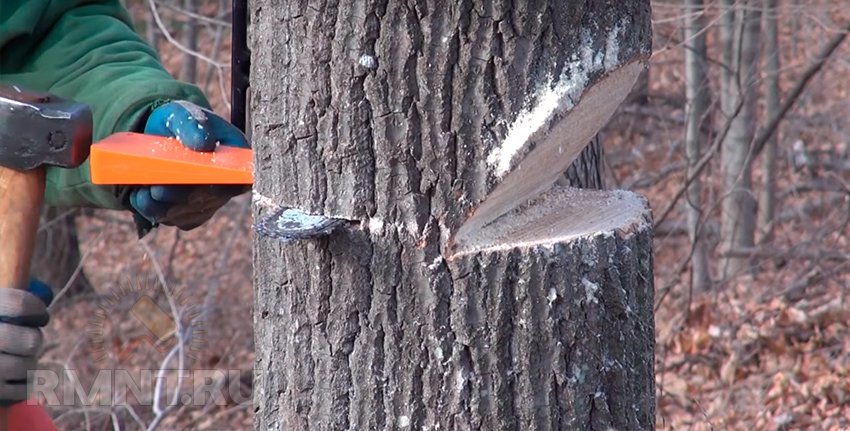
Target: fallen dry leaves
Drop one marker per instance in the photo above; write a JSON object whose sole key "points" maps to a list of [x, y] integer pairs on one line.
{"points": [[770, 366]]}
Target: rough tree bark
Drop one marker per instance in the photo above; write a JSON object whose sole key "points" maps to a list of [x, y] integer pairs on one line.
{"points": [[696, 90], [469, 291]]}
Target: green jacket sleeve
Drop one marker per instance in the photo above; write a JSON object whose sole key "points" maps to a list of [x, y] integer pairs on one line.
{"points": [[86, 51]]}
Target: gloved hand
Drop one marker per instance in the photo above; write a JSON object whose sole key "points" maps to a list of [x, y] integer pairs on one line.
{"points": [[187, 207], [22, 313]]}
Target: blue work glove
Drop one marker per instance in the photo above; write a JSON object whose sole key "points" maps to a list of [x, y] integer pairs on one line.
{"points": [[186, 207], [22, 313]]}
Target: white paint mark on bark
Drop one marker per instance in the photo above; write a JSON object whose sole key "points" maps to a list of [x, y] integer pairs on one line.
{"points": [[577, 374], [368, 61], [436, 263], [413, 228], [612, 48], [376, 225], [591, 289], [263, 201], [553, 295], [555, 97], [460, 380], [403, 421]]}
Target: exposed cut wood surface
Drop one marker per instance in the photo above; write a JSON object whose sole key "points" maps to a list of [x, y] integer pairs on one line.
{"points": [[562, 138], [558, 216]]}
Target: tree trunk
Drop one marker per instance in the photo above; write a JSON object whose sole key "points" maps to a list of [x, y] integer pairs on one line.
{"points": [[696, 81], [796, 8], [189, 70], [468, 290], [640, 94], [727, 42], [152, 33], [767, 201], [737, 227], [587, 171]]}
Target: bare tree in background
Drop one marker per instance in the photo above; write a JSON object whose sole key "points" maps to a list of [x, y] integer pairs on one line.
{"points": [[190, 39], [696, 111], [640, 94], [767, 201], [152, 33], [740, 30], [739, 136]]}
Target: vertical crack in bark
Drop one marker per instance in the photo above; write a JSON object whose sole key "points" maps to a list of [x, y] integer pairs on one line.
{"points": [[374, 18], [379, 367], [463, 387], [600, 413], [506, 332], [532, 356], [393, 324], [417, 408], [303, 407], [322, 98], [484, 331], [554, 410], [558, 317], [448, 123]]}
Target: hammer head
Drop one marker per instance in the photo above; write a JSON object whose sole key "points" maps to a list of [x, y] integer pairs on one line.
{"points": [[39, 129]]}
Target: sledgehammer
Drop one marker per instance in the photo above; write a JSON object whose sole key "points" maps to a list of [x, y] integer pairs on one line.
{"points": [[36, 130]]}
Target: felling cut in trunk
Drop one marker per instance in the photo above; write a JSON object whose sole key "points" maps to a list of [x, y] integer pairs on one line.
{"points": [[470, 291], [547, 139]]}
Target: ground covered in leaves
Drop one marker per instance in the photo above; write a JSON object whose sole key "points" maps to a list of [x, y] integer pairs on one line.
{"points": [[768, 349]]}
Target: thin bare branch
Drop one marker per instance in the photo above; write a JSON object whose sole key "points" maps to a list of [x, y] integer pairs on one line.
{"points": [[197, 16], [176, 43], [74, 275], [767, 132], [698, 168]]}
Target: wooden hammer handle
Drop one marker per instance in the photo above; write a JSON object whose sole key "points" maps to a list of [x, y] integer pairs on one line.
{"points": [[21, 197]]}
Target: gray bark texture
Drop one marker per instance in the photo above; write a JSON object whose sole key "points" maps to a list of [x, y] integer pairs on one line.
{"points": [[385, 113]]}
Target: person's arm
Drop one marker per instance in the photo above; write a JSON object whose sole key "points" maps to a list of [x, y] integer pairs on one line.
{"points": [[86, 51]]}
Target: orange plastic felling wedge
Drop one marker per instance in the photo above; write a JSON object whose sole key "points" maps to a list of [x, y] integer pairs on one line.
{"points": [[27, 416], [136, 159]]}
